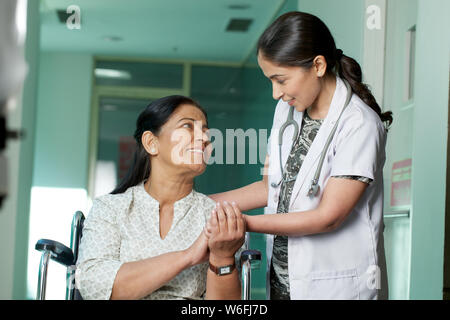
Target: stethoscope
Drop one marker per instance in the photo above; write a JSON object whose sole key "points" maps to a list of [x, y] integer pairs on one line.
{"points": [[314, 188]]}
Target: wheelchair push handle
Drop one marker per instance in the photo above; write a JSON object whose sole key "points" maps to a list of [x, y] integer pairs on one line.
{"points": [[76, 232], [55, 251], [58, 252]]}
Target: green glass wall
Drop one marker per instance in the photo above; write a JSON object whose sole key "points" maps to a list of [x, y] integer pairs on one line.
{"points": [[236, 98]]}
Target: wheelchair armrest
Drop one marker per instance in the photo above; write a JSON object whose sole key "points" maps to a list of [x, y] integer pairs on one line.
{"points": [[59, 252]]}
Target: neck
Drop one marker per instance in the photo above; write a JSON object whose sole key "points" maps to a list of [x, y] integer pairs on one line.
{"points": [[167, 187], [319, 108]]}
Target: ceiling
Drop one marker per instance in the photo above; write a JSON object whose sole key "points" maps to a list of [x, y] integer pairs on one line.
{"points": [[163, 29]]}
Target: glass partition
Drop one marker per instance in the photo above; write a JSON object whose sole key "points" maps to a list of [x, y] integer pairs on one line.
{"points": [[116, 145]]}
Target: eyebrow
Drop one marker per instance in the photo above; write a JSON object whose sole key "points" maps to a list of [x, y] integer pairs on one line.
{"points": [[276, 75], [186, 119], [193, 120]]}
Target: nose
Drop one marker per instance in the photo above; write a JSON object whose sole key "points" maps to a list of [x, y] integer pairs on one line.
{"points": [[276, 92], [200, 135], [205, 136]]}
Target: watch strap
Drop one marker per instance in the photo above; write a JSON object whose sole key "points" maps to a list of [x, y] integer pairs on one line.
{"points": [[222, 270]]}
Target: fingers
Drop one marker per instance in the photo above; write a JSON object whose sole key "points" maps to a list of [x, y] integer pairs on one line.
{"points": [[213, 222], [231, 217], [208, 230], [236, 223], [226, 219], [221, 218], [240, 219], [227, 228]]}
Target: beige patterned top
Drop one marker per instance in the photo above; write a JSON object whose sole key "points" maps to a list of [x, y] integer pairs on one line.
{"points": [[125, 227]]}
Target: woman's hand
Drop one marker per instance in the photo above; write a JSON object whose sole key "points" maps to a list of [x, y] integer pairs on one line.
{"points": [[198, 251], [226, 232]]}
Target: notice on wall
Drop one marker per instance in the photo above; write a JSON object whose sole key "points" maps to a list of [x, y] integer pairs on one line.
{"points": [[127, 146], [401, 183]]}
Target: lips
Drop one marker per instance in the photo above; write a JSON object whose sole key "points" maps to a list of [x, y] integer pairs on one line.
{"points": [[195, 150]]}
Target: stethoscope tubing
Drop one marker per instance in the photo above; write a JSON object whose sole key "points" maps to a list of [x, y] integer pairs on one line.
{"points": [[314, 188]]}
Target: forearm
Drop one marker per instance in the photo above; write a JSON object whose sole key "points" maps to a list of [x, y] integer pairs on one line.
{"points": [[226, 287], [290, 224], [138, 279], [339, 198], [250, 197]]}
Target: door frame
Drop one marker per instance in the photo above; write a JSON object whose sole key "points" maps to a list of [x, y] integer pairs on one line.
{"points": [[446, 284]]}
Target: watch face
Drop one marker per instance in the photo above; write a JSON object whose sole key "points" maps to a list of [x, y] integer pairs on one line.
{"points": [[225, 270], [222, 270]]}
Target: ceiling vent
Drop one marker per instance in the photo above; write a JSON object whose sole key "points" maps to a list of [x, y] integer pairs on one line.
{"points": [[239, 6], [62, 15], [239, 25]]}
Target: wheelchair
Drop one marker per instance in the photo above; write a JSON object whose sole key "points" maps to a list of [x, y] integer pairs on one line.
{"points": [[56, 251]]}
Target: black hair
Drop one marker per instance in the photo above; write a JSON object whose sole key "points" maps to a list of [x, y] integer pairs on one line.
{"points": [[296, 38], [154, 116]]}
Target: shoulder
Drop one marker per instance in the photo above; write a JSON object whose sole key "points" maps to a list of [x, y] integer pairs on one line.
{"points": [[205, 203], [360, 117], [110, 206]]}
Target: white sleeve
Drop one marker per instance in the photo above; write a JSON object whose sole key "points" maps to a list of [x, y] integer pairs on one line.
{"points": [[274, 122], [358, 149], [99, 253]]}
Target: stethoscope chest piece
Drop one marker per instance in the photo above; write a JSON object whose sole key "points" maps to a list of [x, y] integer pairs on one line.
{"points": [[275, 185], [314, 189]]}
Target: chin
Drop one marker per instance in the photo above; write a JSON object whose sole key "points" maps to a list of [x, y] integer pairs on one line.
{"points": [[197, 170], [194, 164], [300, 108]]}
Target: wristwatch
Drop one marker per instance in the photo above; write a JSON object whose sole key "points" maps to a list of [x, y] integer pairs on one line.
{"points": [[223, 270]]}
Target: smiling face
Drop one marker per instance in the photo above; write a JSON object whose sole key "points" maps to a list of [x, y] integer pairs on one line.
{"points": [[296, 85], [182, 144]]}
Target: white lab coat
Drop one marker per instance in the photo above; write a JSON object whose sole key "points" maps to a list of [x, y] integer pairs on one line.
{"points": [[349, 262]]}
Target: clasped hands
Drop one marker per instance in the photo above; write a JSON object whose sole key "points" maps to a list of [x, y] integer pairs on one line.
{"points": [[223, 235]]}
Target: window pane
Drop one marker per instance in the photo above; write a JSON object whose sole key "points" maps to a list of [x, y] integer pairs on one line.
{"points": [[139, 74]]}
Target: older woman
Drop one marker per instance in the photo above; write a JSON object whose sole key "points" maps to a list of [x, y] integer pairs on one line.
{"points": [[147, 239]]}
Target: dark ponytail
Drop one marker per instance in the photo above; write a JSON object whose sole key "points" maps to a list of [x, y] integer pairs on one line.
{"points": [[154, 116], [350, 70], [296, 38]]}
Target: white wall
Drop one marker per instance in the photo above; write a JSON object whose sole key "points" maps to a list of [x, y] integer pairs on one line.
{"points": [[401, 16], [60, 157], [20, 165], [345, 19], [9, 209], [430, 149]]}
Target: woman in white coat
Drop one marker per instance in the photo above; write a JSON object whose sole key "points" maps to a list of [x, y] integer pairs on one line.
{"points": [[327, 246]]}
